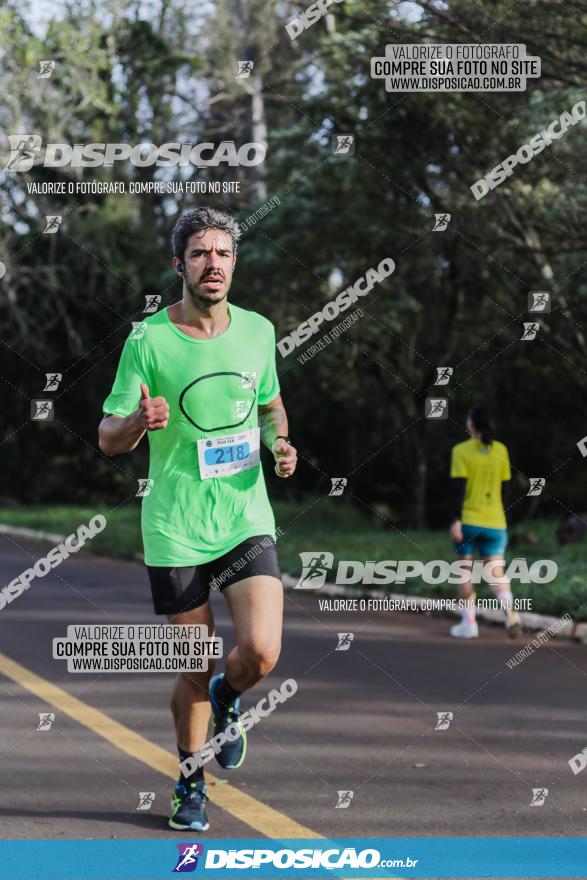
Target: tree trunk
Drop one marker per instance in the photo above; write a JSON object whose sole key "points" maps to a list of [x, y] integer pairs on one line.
{"points": [[421, 484], [259, 136]]}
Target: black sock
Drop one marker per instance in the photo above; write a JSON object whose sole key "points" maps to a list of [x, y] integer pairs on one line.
{"points": [[196, 775], [225, 693]]}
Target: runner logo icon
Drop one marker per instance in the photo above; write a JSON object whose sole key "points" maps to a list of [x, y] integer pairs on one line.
{"points": [[23, 151], [146, 799], [46, 69], [344, 800], [187, 860], [344, 641], [315, 567], [444, 374], [53, 380], [444, 719], [46, 719], [152, 302], [539, 795], [537, 484], [338, 485], [441, 222], [539, 301]]}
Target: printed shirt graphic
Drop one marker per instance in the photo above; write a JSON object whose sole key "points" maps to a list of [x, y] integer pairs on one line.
{"points": [[484, 469], [213, 388]]}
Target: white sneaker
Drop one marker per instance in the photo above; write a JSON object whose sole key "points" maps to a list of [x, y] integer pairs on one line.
{"points": [[465, 630]]}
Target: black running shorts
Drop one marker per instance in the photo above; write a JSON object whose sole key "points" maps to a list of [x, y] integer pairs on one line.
{"points": [[183, 588]]}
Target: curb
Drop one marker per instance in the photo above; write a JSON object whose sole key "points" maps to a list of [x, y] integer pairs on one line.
{"points": [[530, 621], [21, 532]]}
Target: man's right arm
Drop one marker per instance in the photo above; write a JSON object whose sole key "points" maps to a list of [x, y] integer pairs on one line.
{"points": [[117, 434]]}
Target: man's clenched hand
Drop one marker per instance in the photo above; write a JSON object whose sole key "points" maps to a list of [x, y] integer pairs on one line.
{"points": [[153, 412], [285, 458]]}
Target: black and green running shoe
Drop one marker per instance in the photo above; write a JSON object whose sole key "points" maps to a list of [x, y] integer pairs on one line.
{"points": [[189, 807], [232, 752]]}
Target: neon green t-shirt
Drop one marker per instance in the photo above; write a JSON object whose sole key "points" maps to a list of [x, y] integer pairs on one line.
{"points": [[213, 388], [485, 468]]}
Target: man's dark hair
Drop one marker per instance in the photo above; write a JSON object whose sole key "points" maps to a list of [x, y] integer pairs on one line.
{"points": [[197, 220], [483, 423]]}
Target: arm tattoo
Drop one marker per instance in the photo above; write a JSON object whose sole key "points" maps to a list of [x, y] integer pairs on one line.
{"points": [[272, 421]]}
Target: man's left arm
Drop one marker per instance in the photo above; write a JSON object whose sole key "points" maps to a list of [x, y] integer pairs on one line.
{"points": [[274, 434]]}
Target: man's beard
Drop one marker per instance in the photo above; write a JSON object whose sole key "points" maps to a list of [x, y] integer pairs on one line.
{"points": [[202, 297]]}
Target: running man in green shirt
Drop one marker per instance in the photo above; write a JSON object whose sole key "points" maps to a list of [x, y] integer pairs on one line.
{"points": [[199, 378], [479, 469]]}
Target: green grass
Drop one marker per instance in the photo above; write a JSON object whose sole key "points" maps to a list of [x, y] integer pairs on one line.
{"points": [[331, 524], [121, 537]]}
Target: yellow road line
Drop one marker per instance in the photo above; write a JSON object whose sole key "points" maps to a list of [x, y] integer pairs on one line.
{"points": [[247, 809]]}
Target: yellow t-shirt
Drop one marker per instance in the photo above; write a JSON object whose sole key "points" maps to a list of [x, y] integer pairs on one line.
{"points": [[485, 468]]}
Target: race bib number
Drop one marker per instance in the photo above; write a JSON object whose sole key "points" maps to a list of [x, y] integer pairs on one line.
{"points": [[224, 456]]}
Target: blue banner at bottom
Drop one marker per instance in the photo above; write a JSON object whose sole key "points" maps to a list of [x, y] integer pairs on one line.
{"points": [[226, 859]]}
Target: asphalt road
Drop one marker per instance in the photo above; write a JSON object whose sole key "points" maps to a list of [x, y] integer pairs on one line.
{"points": [[362, 720]]}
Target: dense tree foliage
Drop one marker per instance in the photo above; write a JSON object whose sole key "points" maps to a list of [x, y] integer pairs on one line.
{"points": [[162, 73]]}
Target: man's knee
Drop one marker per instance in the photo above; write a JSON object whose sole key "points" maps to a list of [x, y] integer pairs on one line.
{"points": [[259, 659]]}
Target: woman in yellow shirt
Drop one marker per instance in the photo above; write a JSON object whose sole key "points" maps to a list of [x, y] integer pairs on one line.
{"points": [[479, 469]]}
